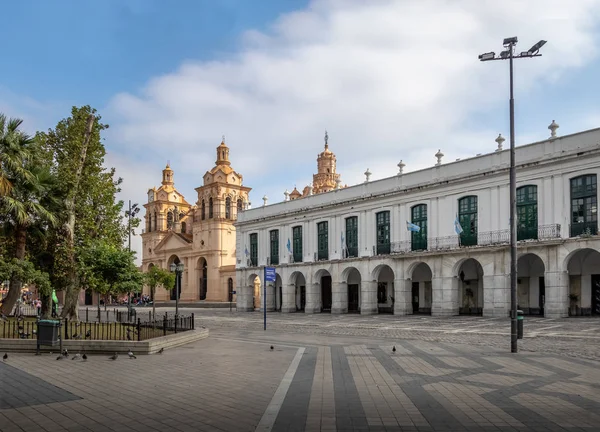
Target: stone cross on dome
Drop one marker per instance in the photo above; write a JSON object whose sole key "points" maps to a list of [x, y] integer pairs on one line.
{"points": [[326, 140]]}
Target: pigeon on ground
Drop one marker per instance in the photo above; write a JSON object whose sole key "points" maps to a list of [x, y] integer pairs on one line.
{"points": [[84, 357], [394, 348], [271, 347], [114, 357], [88, 334], [5, 357], [131, 355], [162, 350], [66, 353], [60, 357], [76, 357]]}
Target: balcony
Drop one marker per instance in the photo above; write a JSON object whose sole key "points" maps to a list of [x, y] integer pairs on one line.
{"points": [[350, 252], [273, 260], [584, 229], [323, 255], [297, 257], [383, 248], [253, 261]]}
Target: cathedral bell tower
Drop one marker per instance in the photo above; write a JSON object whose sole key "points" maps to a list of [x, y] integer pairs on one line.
{"points": [[325, 179]]}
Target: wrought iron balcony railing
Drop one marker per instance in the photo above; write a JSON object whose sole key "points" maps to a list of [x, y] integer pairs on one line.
{"points": [[584, 229]]}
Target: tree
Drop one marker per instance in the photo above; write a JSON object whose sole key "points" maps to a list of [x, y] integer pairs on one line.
{"points": [[13, 152], [26, 201], [25, 272], [157, 277]]}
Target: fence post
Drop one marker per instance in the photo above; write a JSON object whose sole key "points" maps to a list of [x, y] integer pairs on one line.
{"points": [[165, 324], [139, 326], [193, 322], [87, 315]]}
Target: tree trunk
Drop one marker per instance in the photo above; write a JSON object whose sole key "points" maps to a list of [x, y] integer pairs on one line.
{"points": [[152, 289], [46, 306], [14, 289], [70, 309]]}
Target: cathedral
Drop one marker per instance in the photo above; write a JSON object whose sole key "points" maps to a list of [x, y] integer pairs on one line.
{"points": [[200, 236]]}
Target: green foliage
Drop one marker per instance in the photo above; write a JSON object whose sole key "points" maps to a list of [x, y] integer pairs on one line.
{"points": [[157, 277], [13, 154], [26, 272]]}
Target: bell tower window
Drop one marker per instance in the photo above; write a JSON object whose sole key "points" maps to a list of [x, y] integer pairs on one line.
{"points": [[210, 208], [203, 212]]}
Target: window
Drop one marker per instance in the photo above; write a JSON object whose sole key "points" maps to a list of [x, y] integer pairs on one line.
{"points": [[584, 205], [183, 227], [467, 216], [203, 210], [322, 241], [227, 208], [527, 213], [383, 232], [210, 208], [297, 243], [169, 220], [419, 218], [155, 223], [254, 249], [149, 223], [352, 236], [240, 205], [274, 243]]}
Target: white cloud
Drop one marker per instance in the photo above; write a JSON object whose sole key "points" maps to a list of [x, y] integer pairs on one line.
{"points": [[389, 80]]}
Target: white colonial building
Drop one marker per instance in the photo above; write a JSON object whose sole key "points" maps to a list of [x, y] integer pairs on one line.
{"points": [[350, 249]]}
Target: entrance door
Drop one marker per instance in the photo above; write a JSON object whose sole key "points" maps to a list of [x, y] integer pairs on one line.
{"points": [[595, 294], [352, 297], [326, 297], [415, 297], [280, 298], [542, 294], [302, 305]]}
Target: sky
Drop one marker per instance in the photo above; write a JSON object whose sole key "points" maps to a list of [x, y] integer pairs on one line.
{"points": [[389, 80]]}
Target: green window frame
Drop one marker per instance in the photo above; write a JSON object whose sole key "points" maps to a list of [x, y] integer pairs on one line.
{"points": [[254, 249], [527, 213], [323, 240], [419, 218], [297, 243], [584, 205], [274, 247], [383, 232], [351, 236], [467, 217]]}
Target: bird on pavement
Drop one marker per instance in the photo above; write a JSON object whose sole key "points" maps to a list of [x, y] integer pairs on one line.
{"points": [[162, 350], [76, 357], [394, 348], [66, 353], [84, 357], [272, 348], [131, 355], [88, 334], [114, 357], [60, 357], [5, 357]]}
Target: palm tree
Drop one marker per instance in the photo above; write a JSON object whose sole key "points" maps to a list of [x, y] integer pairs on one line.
{"points": [[27, 202], [14, 145]]}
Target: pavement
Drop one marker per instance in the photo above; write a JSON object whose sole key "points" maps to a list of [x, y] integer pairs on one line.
{"points": [[324, 373]]}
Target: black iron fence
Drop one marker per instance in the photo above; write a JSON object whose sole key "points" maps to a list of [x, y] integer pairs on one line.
{"points": [[139, 330]]}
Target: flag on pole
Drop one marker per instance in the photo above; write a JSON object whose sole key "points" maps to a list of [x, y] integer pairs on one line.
{"points": [[289, 246], [246, 251], [412, 227], [457, 228]]}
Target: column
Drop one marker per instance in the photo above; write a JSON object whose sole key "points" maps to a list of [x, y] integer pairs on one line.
{"points": [[496, 295], [270, 287], [244, 298], [402, 297], [340, 298], [368, 297], [313, 297], [288, 303], [557, 294], [444, 301]]}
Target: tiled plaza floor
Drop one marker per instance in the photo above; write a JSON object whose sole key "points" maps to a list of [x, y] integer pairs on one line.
{"points": [[233, 381]]}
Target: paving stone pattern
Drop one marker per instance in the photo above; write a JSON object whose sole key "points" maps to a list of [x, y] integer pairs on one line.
{"points": [[341, 383]]}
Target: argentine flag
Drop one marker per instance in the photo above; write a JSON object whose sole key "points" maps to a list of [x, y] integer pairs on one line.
{"points": [[457, 228], [412, 227], [289, 246]]}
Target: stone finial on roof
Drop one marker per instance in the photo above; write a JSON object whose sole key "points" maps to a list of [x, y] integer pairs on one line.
{"points": [[287, 195], [367, 175], [401, 166], [499, 140], [337, 183], [439, 155], [553, 126], [265, 199]]}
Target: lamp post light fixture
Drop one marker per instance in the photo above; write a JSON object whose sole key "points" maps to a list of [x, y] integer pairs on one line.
{"points": [[508, 54], [178, 270], [131, 213]]}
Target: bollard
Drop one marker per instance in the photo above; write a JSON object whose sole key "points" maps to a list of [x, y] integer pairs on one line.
{"points": [[519, 324]]}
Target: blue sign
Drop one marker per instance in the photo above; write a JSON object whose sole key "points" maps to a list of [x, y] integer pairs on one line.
{"points": [[233, 292], [270, 275]]}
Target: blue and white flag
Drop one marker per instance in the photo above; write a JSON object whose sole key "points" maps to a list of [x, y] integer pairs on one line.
{"points": [[412, 227], [246, 251], [457, 228], [289, 246]]}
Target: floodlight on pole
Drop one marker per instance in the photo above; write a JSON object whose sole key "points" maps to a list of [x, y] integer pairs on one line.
{"points": [[508, 53], [173, 267]]}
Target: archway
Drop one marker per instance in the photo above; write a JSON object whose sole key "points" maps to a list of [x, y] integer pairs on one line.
{"points": [[202, 268], [421, 289], [584, 282], [384, 276], [255, 287], [324, 279], [297, 279], [531, 288], [174, 292], [470, 282], [352, 277]]}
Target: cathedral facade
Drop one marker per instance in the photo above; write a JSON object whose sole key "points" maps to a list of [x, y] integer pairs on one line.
{"points": [[201, 236]]}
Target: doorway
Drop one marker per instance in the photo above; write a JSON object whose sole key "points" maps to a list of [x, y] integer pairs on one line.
{"points": [[302, 304], [542, 298], [326, 296], [352, 298], [596, 294], [415, 297]]}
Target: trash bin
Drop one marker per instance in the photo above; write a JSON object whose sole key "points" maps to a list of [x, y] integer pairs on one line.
{"points": [[519, 324], [48, 333]]}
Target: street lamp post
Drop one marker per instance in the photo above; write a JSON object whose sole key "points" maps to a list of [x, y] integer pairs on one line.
{"points": [[178, 270], [508, 54], [131, 213]]}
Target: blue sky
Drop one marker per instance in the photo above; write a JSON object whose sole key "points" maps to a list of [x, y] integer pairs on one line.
{"points": [[389, 80]]}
